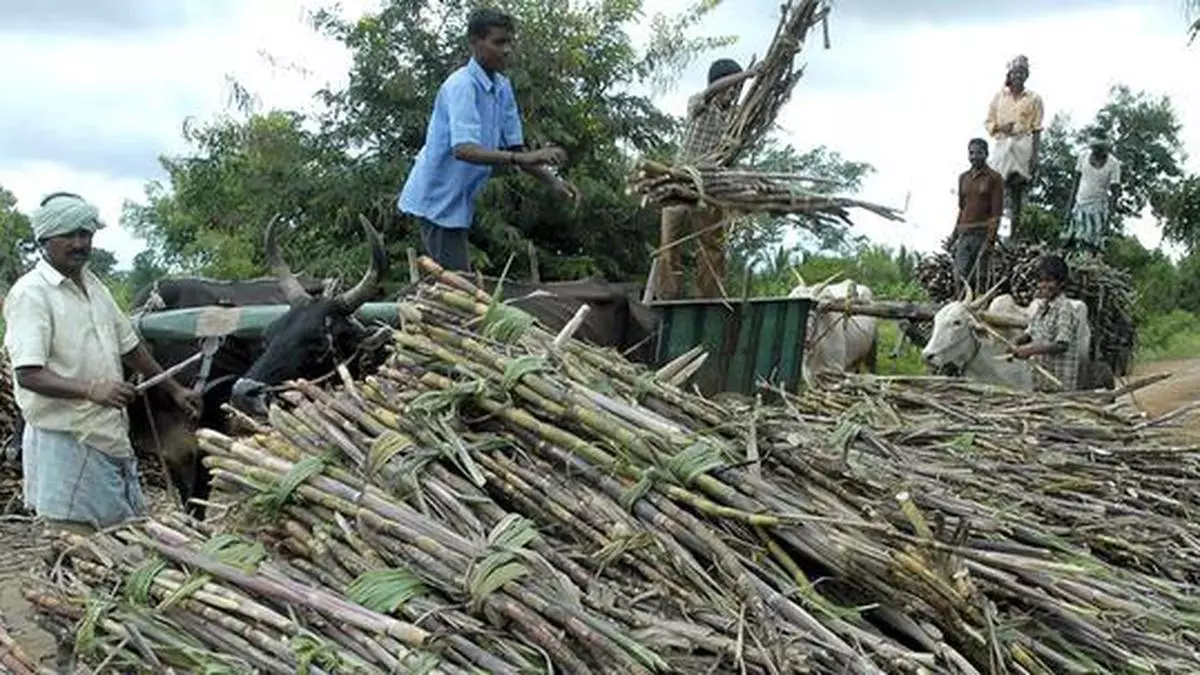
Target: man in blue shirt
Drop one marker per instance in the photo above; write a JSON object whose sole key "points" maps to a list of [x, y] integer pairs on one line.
{"points": [[475, 126]]}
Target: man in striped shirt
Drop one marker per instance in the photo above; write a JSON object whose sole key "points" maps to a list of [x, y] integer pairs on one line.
{"points": [[708, 118]]}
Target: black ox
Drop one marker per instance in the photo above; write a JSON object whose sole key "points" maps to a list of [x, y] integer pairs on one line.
{"points": [[318, 331]]}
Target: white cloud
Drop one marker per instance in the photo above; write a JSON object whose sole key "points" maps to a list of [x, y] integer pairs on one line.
{"points": [[904, 96]]}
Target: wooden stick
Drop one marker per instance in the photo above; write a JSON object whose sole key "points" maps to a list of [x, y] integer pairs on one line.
{"points": [[569, 330], [651, 282], [913, 311], [535, 274], [1034, 364], [169, 372], [414, 270]]}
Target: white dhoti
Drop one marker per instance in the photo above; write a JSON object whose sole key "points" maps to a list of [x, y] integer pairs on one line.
{"points": [[1012, 154]]}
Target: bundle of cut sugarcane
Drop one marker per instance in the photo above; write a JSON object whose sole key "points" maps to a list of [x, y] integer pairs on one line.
{"points": [[777, 76], [1107, 291], [499, 499], [8, 404], [13, 659], [738, 191]]}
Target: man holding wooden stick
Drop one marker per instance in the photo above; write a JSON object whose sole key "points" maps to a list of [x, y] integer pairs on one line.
{"points": [[1054, 329], [67, 339], [708, 118], [980, 205]]}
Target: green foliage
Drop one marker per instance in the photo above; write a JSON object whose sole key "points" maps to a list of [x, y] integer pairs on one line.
{"points": [[574, 70], [1174, 335], [1144, 132], [758, 235], [16, 240]]}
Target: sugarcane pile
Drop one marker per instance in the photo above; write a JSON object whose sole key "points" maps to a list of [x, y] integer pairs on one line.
{"points": [[738, 191], [1107, 291], [776, 78], [499, 499], [8, 405], [13, 659]]}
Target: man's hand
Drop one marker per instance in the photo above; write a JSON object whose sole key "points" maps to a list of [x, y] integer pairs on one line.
{"points": [[568, 190], [111, 394], [188, 401], [543, 157]]}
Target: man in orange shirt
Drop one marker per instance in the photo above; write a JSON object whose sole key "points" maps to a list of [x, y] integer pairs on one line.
{"points": [[1014, 122]]}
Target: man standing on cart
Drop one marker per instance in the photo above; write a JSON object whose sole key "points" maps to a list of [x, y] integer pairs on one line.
{"points": [[1014, 121]]}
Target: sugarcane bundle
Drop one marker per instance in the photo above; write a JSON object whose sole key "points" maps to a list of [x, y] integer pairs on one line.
{"points": [[9, 415], [1108, 292], [495, 497], [772, 86], [747, 192], [13, 659]]}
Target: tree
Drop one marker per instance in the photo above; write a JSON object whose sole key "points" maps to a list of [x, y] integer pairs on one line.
{"points": [[576, 64], [16, 240], [103, 263], [1144, 133], [1193, 10]]}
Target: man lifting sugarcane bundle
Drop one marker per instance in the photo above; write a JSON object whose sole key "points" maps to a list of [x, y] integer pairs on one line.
{"points": [[704, 192]]}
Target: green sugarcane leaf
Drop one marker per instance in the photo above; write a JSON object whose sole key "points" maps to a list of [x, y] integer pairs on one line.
{"points": [[385, 591], [496, 578]]}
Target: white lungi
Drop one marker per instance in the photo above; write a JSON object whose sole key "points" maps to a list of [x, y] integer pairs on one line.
{"points": [[1012, 154]]}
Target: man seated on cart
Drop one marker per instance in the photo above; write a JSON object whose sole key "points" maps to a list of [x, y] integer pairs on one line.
{"points": [[1053, 338]]}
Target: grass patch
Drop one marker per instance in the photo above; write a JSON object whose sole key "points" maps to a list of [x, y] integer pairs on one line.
{"points": [[1166, 337]]}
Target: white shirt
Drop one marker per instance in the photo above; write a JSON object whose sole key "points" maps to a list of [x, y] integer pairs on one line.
{"points": [[50, 322], [1094, 182]]}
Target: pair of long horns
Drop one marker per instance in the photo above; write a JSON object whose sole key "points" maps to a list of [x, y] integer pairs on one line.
{"points": [[348, 301], [816, 291], [976, 304]]}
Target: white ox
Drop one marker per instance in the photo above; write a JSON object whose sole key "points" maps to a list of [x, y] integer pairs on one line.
{"points": [[959, 339], [834, 342]]}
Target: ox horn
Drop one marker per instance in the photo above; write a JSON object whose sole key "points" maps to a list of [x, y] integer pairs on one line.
{"points": [[293, 292], [968, 294], [982, 301], [816, 293], [352, 299]]}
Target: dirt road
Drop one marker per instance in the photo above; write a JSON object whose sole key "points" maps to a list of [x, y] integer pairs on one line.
{"points": [[1181, 388]]}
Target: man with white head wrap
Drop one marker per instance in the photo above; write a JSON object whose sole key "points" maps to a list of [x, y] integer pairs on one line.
{"points": [[67, 340], [1097, 186], [1014, 121]]}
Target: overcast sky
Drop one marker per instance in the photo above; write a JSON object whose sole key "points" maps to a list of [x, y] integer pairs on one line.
{"points": [[96, 90]]}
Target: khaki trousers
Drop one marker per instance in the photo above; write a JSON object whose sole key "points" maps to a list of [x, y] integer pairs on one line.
{"points": [[679, 221]]}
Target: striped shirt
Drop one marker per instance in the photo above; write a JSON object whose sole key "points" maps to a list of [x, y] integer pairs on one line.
{"points": [[706, 126]]}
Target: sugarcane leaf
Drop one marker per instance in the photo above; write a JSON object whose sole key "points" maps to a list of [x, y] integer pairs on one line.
{"points": [[640, 652], [85, 634], [506, 324], [300, 472], [514, 531], [426, 664], [389, 444], [385, 591], [139, 582], [520, 367], [694, 461], [639, 489], [311, 650], [491, 577]]}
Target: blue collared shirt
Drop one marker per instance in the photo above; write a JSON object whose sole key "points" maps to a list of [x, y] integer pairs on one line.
{"points": [[471, 107]]}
